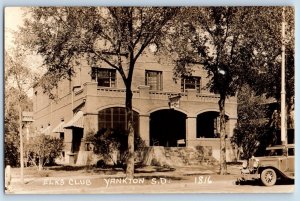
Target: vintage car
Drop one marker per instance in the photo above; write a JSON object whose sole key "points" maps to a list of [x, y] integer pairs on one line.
{"points": [[278, 163]]}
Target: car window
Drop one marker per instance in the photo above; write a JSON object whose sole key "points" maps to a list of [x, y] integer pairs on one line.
{"points": [[291, 151], [274, 152]]}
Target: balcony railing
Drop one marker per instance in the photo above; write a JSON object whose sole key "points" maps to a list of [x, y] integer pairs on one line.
{"points": [[113, 92], [145, 93]]}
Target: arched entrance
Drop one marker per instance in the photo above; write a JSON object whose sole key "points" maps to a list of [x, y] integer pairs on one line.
{"points": [[208, 125], [167, 127]]}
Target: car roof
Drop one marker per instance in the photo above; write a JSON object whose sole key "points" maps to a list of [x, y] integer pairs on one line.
{"points": [[281, 146]]}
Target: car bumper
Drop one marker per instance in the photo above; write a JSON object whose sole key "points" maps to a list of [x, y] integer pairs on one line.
{"points": [[247, 174]]}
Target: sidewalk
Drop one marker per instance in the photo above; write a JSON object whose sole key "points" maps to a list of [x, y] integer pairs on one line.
{"points": [[145, 180]]}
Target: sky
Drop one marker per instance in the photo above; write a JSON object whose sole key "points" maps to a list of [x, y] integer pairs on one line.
{"points": [[13, 19]]}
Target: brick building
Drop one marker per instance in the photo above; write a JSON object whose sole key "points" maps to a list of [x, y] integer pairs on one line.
{"points": [[95, 99]]}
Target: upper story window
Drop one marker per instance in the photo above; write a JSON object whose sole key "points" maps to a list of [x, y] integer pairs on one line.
{"points": [[154, 80], [104, 77], [191, 82]]}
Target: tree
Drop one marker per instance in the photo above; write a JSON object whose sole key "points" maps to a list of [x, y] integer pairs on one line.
{"points": [[11, 124], [19, 77], [231, 43], [255, 129], [267, 79], [213, 40], [116, 36]]}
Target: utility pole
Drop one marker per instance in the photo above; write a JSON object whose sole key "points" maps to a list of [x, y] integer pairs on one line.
{"points": [[21, 142], [283, 128]]}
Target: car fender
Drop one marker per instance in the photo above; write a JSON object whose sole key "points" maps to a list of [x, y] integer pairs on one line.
{"points": [[278, 172]]}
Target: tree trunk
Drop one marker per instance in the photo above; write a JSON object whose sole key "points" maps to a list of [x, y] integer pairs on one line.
{"points": [[130, 131], [41, 161], [223, 167], [21, 142]]}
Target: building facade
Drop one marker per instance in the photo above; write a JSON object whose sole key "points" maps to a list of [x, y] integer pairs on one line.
{"points": [[167, 112]]}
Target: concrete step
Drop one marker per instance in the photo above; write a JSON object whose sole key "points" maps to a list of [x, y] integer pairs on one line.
{"points": [[177, 156]]}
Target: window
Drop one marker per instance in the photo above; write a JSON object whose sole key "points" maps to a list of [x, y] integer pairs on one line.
{"points": [[104, 77], [291, 151], [154, 80], [116, 118], [191, 82], [274, 152], [62, 136]]}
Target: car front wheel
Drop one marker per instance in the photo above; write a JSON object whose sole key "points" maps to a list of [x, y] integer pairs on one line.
{"points": [[268, 177]]}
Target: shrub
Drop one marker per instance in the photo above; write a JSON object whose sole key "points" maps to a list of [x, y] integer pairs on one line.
{"points": [[109, 142], [43, 149]]}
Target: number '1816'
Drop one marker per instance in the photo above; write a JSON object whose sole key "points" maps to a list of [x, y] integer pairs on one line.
{"points": [[203, 180]]}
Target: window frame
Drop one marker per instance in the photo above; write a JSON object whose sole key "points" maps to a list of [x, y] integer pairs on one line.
{"points": [[197, 84], [112, 73], [116, 118], [159, 80]]}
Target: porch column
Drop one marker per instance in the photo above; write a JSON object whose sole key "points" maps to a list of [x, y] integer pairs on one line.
{"points": [[231, 124], [144, 129], [191, 130], [68, 137]]}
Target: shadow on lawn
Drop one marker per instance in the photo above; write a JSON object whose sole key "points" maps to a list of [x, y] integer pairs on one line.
{"points": [[153, 169], [67, 168], [87, 169]]}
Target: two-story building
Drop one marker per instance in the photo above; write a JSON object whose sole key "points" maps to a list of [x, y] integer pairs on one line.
{"points": [[95, 99]]}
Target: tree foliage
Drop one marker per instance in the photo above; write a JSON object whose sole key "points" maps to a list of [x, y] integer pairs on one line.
{"points": [[11, 125], [256, 127]]}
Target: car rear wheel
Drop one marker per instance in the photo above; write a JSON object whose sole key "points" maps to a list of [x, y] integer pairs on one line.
{"points": [[268, 177]]}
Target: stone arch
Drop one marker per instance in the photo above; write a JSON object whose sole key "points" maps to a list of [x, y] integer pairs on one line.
{"points": [[212, 110], [116, 105], [168, 108]]}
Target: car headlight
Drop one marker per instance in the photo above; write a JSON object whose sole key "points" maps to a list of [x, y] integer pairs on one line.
{"points": [[255, 163], [245, 164]]}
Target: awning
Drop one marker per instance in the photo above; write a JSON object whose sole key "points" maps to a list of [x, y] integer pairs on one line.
{"points": [[59, 128], [46, 131], [76, 121]]}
